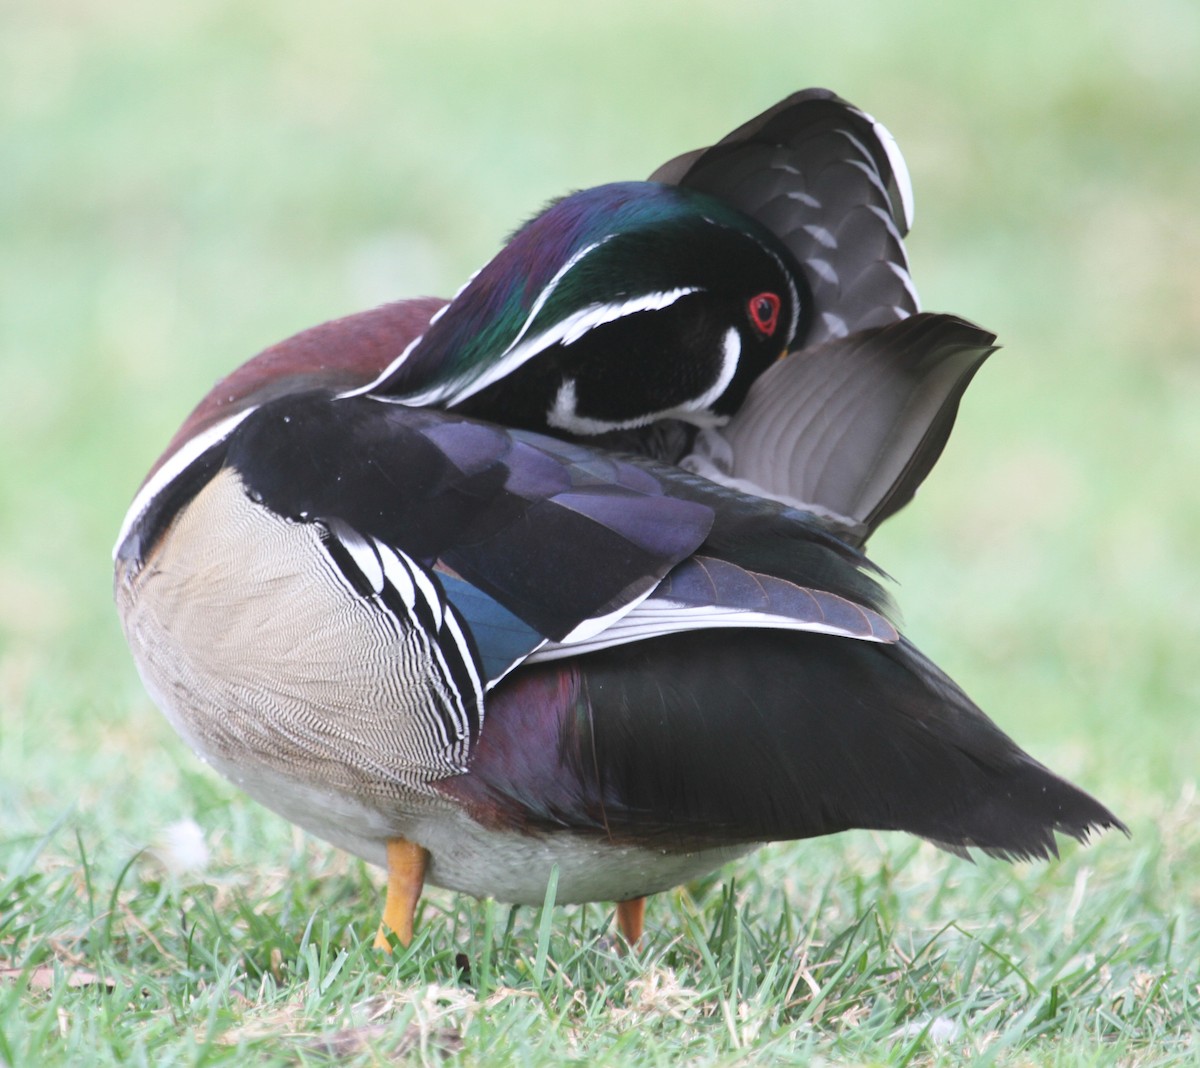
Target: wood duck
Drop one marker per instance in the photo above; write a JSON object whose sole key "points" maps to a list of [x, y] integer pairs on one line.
{"points": [[564, 574]]}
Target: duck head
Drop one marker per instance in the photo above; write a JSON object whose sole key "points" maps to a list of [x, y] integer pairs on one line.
{"points": [[616, 307]]}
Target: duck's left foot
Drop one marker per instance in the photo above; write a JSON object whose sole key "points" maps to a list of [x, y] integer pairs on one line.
{"points": [[406, 863], [631, 917]]}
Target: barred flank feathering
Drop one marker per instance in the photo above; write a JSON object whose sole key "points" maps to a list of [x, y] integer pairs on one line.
{"points": [[296, 660], [411, 605]]}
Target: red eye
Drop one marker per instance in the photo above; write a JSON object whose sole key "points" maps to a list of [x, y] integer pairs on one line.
{"points": [[764, 313]]}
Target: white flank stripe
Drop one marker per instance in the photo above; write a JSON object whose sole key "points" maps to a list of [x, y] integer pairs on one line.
{"points": [[174, 466], [454, 704], [361, 551], [397, 569], [429, 592], [383, 564], [464, 654]]}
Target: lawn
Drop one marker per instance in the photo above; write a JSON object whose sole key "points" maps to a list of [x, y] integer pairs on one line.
{"points": [[181, 185]]}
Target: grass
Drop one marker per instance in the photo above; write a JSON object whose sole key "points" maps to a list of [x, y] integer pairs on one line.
{"points": [[880, 952], [182, 186]]}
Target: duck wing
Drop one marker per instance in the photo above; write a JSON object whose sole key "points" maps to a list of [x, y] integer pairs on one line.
{"points": [[719, 737], [831, 183], [850, 428]]}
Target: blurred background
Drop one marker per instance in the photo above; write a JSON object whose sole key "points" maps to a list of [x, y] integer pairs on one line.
{"points": [[182, 185]]}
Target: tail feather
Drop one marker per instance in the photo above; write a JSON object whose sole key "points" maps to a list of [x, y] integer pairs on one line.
{"points": [[721, 737], [851, 428]]}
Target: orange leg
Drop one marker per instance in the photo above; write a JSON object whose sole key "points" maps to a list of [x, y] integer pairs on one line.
{"points": [[406, 876], [631, 916]]}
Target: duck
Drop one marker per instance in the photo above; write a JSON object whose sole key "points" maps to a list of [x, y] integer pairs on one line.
{"points": [[560, 583]]}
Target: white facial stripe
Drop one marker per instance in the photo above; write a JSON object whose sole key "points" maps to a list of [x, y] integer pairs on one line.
{"points": [[731, 352], [512, 357], [563, 413], [399, 360], [565, 332], [546, 293], [393, 366], [599, 314], [174, 466], [463, 288]]}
